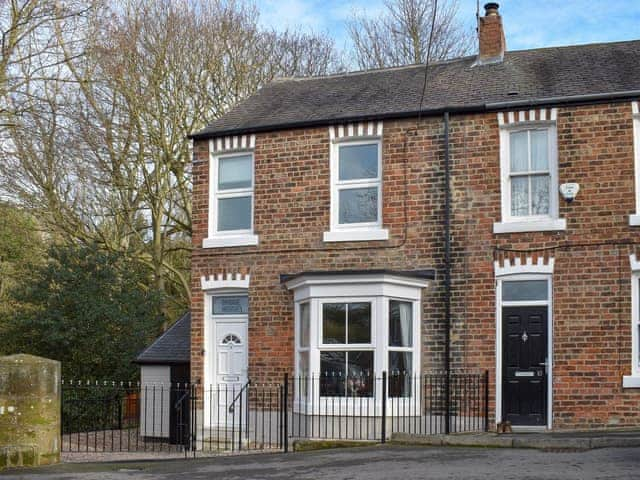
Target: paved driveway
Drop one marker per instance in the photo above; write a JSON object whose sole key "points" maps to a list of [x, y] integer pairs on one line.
{"points": [[375, 463]]}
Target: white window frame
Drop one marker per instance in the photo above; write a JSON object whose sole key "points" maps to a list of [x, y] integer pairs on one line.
{"points": [[634, 219], [299, 350], [531, 223], [228, 238], [379, 290], [353, 231], [633, 380]]}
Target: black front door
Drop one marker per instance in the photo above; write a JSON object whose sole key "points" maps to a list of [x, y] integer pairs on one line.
{"points": [[524, 371]]}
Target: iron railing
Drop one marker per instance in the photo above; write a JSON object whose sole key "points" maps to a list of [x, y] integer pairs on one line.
{"points": [[363, 407], [125, 417], [189, 418]]}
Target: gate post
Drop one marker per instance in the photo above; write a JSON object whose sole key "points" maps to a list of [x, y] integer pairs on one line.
{"points": [[285, 412], [383, 430]]}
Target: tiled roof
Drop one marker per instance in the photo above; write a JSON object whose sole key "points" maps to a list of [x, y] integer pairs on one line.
{"points": [[172, 347], [526, 77]]}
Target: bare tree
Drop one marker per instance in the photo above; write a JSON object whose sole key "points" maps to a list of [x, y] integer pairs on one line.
{"points": [[400, 36], [102, 152], [29, 53]]}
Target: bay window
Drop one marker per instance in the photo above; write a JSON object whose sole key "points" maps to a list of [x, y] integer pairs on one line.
{"points": [[350, 328]]}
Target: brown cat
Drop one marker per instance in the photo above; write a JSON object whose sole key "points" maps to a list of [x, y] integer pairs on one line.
{"points": [[504, 427]]}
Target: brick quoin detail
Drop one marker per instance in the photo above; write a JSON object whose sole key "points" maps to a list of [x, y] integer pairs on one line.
{"points": [[591, 272]]}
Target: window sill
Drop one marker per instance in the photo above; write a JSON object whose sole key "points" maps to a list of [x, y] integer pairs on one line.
{"points": [[634, 220], [631, 381], [356, 235], [546, 225], [230, 241]]}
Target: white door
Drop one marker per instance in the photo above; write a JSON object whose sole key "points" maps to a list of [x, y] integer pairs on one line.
{"points": [[227, 344], [231, 369], [231, 343]]}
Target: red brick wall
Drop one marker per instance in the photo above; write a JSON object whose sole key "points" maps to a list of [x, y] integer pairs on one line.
{"points": [[492, 42], [592, 302]]}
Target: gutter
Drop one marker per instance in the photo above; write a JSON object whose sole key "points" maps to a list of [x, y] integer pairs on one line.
{"points": [[452, 109], [447, 270]]}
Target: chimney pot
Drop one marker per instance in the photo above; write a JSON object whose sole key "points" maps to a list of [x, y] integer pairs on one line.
{"points": [[491, 36], [491, 8]]}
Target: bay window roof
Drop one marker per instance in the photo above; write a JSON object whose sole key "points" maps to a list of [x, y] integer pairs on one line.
{"points": [[428, 274]]}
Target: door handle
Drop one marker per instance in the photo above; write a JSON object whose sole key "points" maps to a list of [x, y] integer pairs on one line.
{"points": [[543, 364]]}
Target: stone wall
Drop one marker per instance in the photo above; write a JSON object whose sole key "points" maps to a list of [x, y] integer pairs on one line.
{"points": [[29, 411]]}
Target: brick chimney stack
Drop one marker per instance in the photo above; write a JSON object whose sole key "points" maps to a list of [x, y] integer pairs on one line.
{"points": [[491, 36]]}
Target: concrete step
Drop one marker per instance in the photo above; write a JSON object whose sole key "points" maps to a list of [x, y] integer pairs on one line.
{"points": [[541, 441]]}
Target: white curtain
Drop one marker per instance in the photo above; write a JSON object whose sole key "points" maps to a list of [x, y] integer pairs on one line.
{"points": [[405, 323]]}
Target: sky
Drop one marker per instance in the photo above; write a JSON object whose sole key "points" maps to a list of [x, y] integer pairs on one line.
{"points": [[527, 23]]}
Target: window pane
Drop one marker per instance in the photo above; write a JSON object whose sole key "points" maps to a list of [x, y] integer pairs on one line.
{"points": [[234, 214], [519, 151], [360, 374], [303, 373], [358, 205], [332, 373], [519, 196], [359, 323], [540, 150], [525, 290], [304, 325], [334, 323], [231, 305], [400, 324], [358, 161], [234, 172], [400, 374], [540, 194]]}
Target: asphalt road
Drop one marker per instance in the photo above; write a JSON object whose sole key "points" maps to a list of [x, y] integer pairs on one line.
{"points": [[374, 463]]}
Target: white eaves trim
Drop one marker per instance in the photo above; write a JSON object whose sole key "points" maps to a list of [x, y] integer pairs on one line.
{"points": [[356, 235], [506, 119], [528, 267], [226, 144], [220, 281], [351, 130], [230, 241], [543, 225]]}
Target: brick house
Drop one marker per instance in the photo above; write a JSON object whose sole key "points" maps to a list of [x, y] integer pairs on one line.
{"points": [[353, 222]]}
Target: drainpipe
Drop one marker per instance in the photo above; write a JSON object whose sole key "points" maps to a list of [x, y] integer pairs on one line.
{"points": [[447, 271]]}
